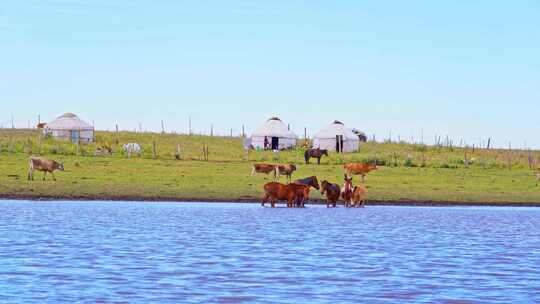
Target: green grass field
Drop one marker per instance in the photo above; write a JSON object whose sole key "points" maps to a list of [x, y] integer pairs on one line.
{"points": [[409, 173]]}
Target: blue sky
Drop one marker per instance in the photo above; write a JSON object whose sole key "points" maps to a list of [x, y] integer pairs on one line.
{"points": [[467, 69]]}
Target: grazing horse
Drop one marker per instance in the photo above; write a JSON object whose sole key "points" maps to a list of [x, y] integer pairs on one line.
{"points": [[311, 181], [347, 191], [359, 196], [315, 153], [291, 193], [332, 192]]}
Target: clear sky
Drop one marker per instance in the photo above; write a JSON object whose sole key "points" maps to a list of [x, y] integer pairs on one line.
{"points": [[469, 69]]}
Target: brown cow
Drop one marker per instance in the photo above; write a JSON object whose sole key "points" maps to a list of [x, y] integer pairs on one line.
{"points": [[359, 169], [286, 170], [291, 193], [347, 191], [332, 192], [43, 164], [359, 196], [265, 168]]}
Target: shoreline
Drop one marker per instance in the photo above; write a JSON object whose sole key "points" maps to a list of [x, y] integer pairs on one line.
{"points": [[120, 198]]}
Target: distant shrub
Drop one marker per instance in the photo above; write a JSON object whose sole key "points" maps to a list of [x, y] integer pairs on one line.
{"points": [[409, 162]]}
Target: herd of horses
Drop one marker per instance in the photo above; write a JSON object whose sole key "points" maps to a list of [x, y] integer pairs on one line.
{"points": [[296, 193]]}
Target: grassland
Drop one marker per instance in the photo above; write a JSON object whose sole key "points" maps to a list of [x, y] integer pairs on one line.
{"points": [[408, 173]]}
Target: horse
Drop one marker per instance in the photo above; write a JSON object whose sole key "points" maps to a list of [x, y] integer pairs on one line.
{"points": [[315, 153], [347, 191], [310, 182], [359, 196], [332, 192], [291, 193]]}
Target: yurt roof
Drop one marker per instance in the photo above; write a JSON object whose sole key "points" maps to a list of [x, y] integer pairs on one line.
{"points": [[336, 128], [274, 127], [69, 121]]}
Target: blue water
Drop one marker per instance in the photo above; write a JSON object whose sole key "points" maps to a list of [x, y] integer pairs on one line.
{"points": [[231, 253]]}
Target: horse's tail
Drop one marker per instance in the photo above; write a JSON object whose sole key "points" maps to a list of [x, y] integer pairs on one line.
{"points": [[306, 156]]}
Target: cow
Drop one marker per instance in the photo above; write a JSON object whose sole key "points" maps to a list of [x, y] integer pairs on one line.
{"points": [[359, 169], [332, 192], [286, 170], [359, 196], [132, 148], [265, 168], [347, 191], [43, 164], [291, 193]]}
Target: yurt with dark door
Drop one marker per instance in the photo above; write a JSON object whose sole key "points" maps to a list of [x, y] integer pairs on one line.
{"points": [[70, 127], [336, 137], [273, 135]]}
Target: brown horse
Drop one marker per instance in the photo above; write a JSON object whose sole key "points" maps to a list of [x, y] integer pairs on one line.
{"points": [[291, 193], [347, 192], [359, 196], [332, 192], [315, 153]]}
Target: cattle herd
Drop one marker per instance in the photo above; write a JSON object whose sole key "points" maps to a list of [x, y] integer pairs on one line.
{"points": [[297, 193]]}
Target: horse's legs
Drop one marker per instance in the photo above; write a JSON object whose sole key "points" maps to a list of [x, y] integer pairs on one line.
{"points": [[363, 178], [318, 160], [44, 175], [265, 199], [53, 177]]}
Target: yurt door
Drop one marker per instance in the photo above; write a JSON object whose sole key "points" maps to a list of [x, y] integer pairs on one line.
{"points": [[275, 143], [74, 136], [339, 143]]}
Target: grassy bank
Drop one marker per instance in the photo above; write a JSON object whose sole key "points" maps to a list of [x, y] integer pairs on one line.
{"points": [[409, 172]]}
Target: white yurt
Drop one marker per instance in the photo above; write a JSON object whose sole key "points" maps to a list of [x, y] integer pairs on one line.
{"points": [[336, 137], [70, 127], [277, 134]]}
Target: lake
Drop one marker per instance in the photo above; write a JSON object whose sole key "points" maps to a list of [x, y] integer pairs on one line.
{"points": [[232, 253]]}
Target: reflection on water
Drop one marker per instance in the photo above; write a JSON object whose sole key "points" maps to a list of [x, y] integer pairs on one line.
{"points": [[179, 252]]}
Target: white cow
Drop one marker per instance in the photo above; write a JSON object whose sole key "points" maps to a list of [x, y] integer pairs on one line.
{"points": [[131, 148]]}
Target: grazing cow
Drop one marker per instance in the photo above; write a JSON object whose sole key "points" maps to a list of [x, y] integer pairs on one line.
{"points": [[265, 168], [132, 148], [347, 191], [286, 170], [359, 169], [359, 196], [315, 153], [291, 193], [43, 164], [332, 192]]}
